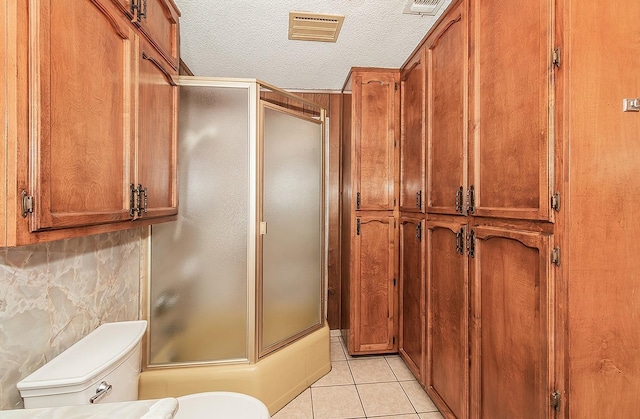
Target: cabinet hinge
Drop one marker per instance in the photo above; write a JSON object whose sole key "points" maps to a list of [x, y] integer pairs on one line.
{"points": [[394, 202], [358, 200], [419, 232], [459, 200], [555, 202], [357, 226], [555, 256], [395, 86], [27, 203], [471, 200], [393, 340], [395, 144], [133, 200], [460, 241], [471, 243], [419, 199], [555, 57], [139, 6], [394, 223], [556, 398], [394, 282]]}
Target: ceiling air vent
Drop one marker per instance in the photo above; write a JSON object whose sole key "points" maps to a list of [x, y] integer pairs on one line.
{"points": [[305, 26], [423, 7]]}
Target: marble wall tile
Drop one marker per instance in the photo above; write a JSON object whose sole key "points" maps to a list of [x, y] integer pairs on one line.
{"points": [[53, 294]]}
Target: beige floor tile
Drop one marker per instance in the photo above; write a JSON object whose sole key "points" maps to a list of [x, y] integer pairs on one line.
{"points": [[414, 416], [384, 399], [334, 332], [339, 375], [298, 408], [431, 415], [371, 370], [338, 402], [399, 368], [346, 351], [335, 339], [419, 399], [337, 354]]}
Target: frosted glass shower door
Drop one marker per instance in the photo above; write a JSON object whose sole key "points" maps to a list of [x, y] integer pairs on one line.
{"points": [[292, 215], [202, 266]]}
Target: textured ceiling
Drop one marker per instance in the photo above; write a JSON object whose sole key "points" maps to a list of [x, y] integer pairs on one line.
{"points": [[240, 38]]}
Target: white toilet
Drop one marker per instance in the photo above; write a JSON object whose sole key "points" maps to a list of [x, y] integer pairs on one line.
{"points": [[103, 367]]}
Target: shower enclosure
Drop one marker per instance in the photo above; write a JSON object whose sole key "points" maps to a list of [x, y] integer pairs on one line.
{"points": [[241, 273]]}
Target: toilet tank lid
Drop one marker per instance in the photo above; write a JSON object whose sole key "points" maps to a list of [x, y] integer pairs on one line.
{"points": [[88, 357]]}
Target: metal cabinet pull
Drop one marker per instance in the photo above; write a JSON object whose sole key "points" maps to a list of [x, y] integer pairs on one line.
{"points": [[103, 389]]}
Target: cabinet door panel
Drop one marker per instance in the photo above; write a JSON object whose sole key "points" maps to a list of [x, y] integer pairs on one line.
{"points": [[374, 135], [160, 23], [412, 295], [512, 144], [447, 301], [374, 310], [412, 154], [157, 134], [447, 120], [82, 113], [513, 332]]}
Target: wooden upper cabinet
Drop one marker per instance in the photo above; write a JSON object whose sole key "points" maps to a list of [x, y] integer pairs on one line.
{"points": [[373, 296], [447, 367], [157, 134], [159, 22], [412, 295], [81, 113], [447, 112], [412, 143], [512, 309], [375, 132], [511, 108]]}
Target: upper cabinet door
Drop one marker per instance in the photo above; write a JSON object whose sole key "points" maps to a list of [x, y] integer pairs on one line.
{"points": [[412, 153], [159, 21], [81, 113], [374, 134], [447, 114], [157, 135], [511, 104]]}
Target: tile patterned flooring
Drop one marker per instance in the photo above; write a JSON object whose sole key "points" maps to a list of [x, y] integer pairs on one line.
{"points": [[364, 387]]}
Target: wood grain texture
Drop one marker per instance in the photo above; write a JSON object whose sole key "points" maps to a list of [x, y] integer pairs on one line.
{"points": [[373, 297], [412, 312], [4, 120], [447, 112], [512, 306], [412, 142], [447, 375], [512, 142], [334, 257], [160, 25], [603, 176], [82, 113], [157, 136], [375, 135], [347, 218]]}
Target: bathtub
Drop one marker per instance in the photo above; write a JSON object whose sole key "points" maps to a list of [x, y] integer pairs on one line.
{"points": [[275, 379]]}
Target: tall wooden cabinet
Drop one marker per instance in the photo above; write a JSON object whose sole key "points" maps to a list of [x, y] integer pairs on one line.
{"points": [[91, 130], [369, 210], [533, 115]]}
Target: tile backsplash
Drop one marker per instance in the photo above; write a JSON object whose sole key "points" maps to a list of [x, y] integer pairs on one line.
{"points": [[53, 294]]}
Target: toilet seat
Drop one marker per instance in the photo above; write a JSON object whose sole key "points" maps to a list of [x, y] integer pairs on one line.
{"points": [[221, 404]]}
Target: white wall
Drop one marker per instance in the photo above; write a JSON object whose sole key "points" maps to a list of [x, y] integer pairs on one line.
{"points": [[53, 294]]}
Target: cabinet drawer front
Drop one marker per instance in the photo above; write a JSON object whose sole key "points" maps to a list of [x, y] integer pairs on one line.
{"points": [[81, 113]]}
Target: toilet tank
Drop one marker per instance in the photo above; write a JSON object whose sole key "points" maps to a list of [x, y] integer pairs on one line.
{"points": [[111, 354]]}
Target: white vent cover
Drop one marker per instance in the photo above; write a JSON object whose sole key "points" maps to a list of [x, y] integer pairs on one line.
{"points": [[305, 26], [423, 7]]}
